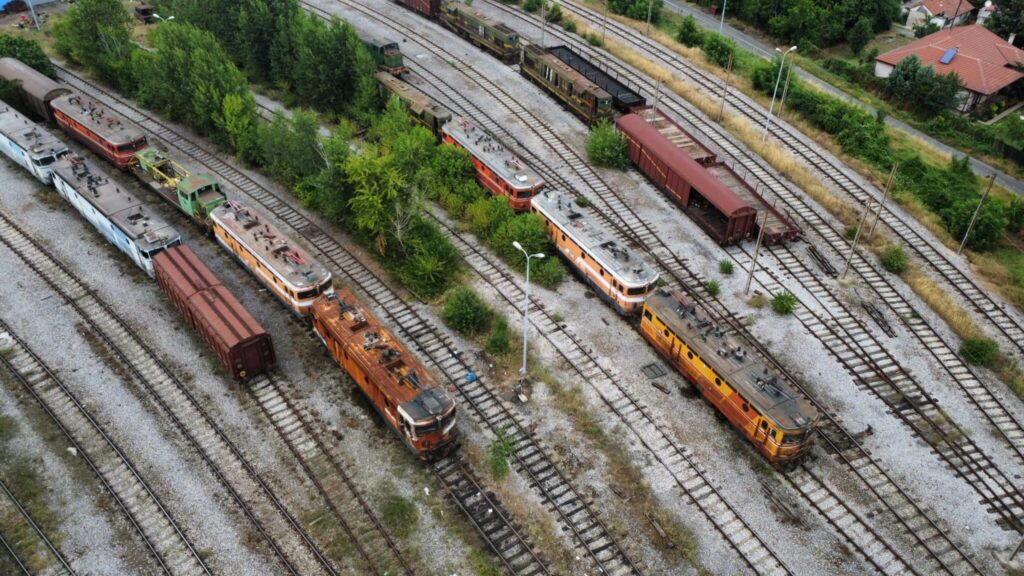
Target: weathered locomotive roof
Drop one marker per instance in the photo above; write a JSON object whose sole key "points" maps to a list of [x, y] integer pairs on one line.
{"points": [[415, 99], [378, 42], [139, 222], [476, 18], [35, 84], [398, 374], [492, 153], [724, 199], [581, 82], [34, 139], [766, 390], [110, 125], [622, 261], [675, 134], [273, 247]]}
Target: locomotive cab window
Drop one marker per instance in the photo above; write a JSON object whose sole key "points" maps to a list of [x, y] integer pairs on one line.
{"points": [[647, 314], [772, 434], [746, 407]]}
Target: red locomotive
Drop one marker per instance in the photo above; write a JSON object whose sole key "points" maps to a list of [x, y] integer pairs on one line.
{"points": [[497, 168], [416, 408], [100, 129]]}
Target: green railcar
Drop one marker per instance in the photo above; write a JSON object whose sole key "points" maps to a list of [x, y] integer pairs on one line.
{"points": [[386, 55], [421, 107], [498, 39], [194, 194]]}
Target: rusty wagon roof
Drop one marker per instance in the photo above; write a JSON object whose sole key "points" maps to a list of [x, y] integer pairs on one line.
{"points": [[206, 294], [717, 193], [110, 125], [396, 372], [761, 386], [36, 85]]}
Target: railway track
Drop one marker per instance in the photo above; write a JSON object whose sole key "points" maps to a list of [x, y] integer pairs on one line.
{"points": [[598, 545], [1008, 324], [255, 498], [11, 507], [326, 469], [935, 544], [505, 538], [163, 536], [988, 403]]}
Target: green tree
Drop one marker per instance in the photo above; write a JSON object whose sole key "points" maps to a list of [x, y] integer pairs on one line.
{"points": [[328, 191], [903, 79], [97, 34], [376, 186], [606, 146], [926, 29], [28, 51], [690, 33], [860, 34], [240, 122], [719, 49], [466, 313], [1008, 19], [290, 147], [637, 9], [895, 259]]}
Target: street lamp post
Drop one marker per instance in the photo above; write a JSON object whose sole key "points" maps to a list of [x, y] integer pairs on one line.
{"points": [[778, 79], [785, 90], [721, 23], [526, 301], [161, 18], [32, 8]]}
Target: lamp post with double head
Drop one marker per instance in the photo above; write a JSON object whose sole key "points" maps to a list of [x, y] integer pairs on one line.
{"points": [[526, 301], [778, 79]]}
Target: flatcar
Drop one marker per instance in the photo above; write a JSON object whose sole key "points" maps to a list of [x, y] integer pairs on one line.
{"points": [[496, 38], [424, 109], [584, 98], [194, 194], [102, 130], [287, 270], [240, 343], [624, 98], [497, 168], [32, 147], [722, 213], [617, 273], [757, 401], [386, 54], [38, 89], [407, 397], [127, 223]]}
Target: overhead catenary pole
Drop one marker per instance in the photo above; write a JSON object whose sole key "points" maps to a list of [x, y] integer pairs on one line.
{"points": [[721, 22], [725, 89], [974, 219], [757, 250], [856, 238], [888, 188]]}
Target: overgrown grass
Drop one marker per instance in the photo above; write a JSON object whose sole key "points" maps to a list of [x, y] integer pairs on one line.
{"points": [[396, 511]]}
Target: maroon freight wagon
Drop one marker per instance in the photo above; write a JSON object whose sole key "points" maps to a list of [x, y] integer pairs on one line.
{"points": [[238, 340], [724, 215], [428, 8]]}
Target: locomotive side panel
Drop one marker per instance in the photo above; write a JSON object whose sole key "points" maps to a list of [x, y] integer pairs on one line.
{"points": [[104, 131]]}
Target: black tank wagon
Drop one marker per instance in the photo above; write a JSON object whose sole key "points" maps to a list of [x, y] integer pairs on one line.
{"points": [[624, 98]]}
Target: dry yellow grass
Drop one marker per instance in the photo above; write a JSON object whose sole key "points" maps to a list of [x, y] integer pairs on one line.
{"points": [[939, 300]]}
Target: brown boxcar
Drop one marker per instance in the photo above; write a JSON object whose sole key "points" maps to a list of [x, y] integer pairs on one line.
{"points": [[727, 217], [429, 8], [37, 88], [238, 340]]}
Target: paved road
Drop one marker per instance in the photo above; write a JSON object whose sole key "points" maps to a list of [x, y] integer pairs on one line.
{"points": [[758, 47]]}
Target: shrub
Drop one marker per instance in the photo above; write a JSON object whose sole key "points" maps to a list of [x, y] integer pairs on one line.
{"points": [[713, 287], [725, 267], [784, 303], [531, 5], [28, 51], [690, 33], [719, 49], [582, 202], [398, 513], [498, 453], [636, 9], [497, 342], [895, 259], [569, 25], [594, 40], [606, 146], [553, 13], [980, 351], [466, 313]]}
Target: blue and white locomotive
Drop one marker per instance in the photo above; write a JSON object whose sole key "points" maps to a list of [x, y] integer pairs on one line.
{"points": [[127, 223], [31, 146]]}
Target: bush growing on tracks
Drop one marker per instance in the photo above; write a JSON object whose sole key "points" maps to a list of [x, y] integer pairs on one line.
{"points": [[498, 453], [594, 40], [714, 287], [690, 33], [553, 13], [725, 267], [980, 351], [498, 341], [718, 48], [895, 259], [531, 5], [784, 302], [466, 313], [606, 146], [569, 25]]}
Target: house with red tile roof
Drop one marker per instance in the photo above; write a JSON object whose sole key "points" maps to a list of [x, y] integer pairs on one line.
{"points": [[985, 63], [939, 12]]}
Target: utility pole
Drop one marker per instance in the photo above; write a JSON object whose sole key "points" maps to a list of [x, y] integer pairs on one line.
{"points": [[650, 8], [32, 8], [856, 238], [757, 250], [725, 89], [721, 23], [888, 188], [543, 22], [974, 219], [604, 22]]}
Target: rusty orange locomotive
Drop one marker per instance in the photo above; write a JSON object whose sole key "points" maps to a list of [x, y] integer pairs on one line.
{"points": [[774, 418], [412, 403]]}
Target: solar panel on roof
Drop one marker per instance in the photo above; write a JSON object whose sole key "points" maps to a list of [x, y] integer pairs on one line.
{"points": [[948, 56]]}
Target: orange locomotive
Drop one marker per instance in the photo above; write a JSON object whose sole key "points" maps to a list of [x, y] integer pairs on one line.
{"points": [[99, 128], [497, 168], [774, 418], [411, 402]]}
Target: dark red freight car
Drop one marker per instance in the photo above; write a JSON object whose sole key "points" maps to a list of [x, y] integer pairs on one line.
{"points": [[717, 209], [238, 340], [428, 8]]}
